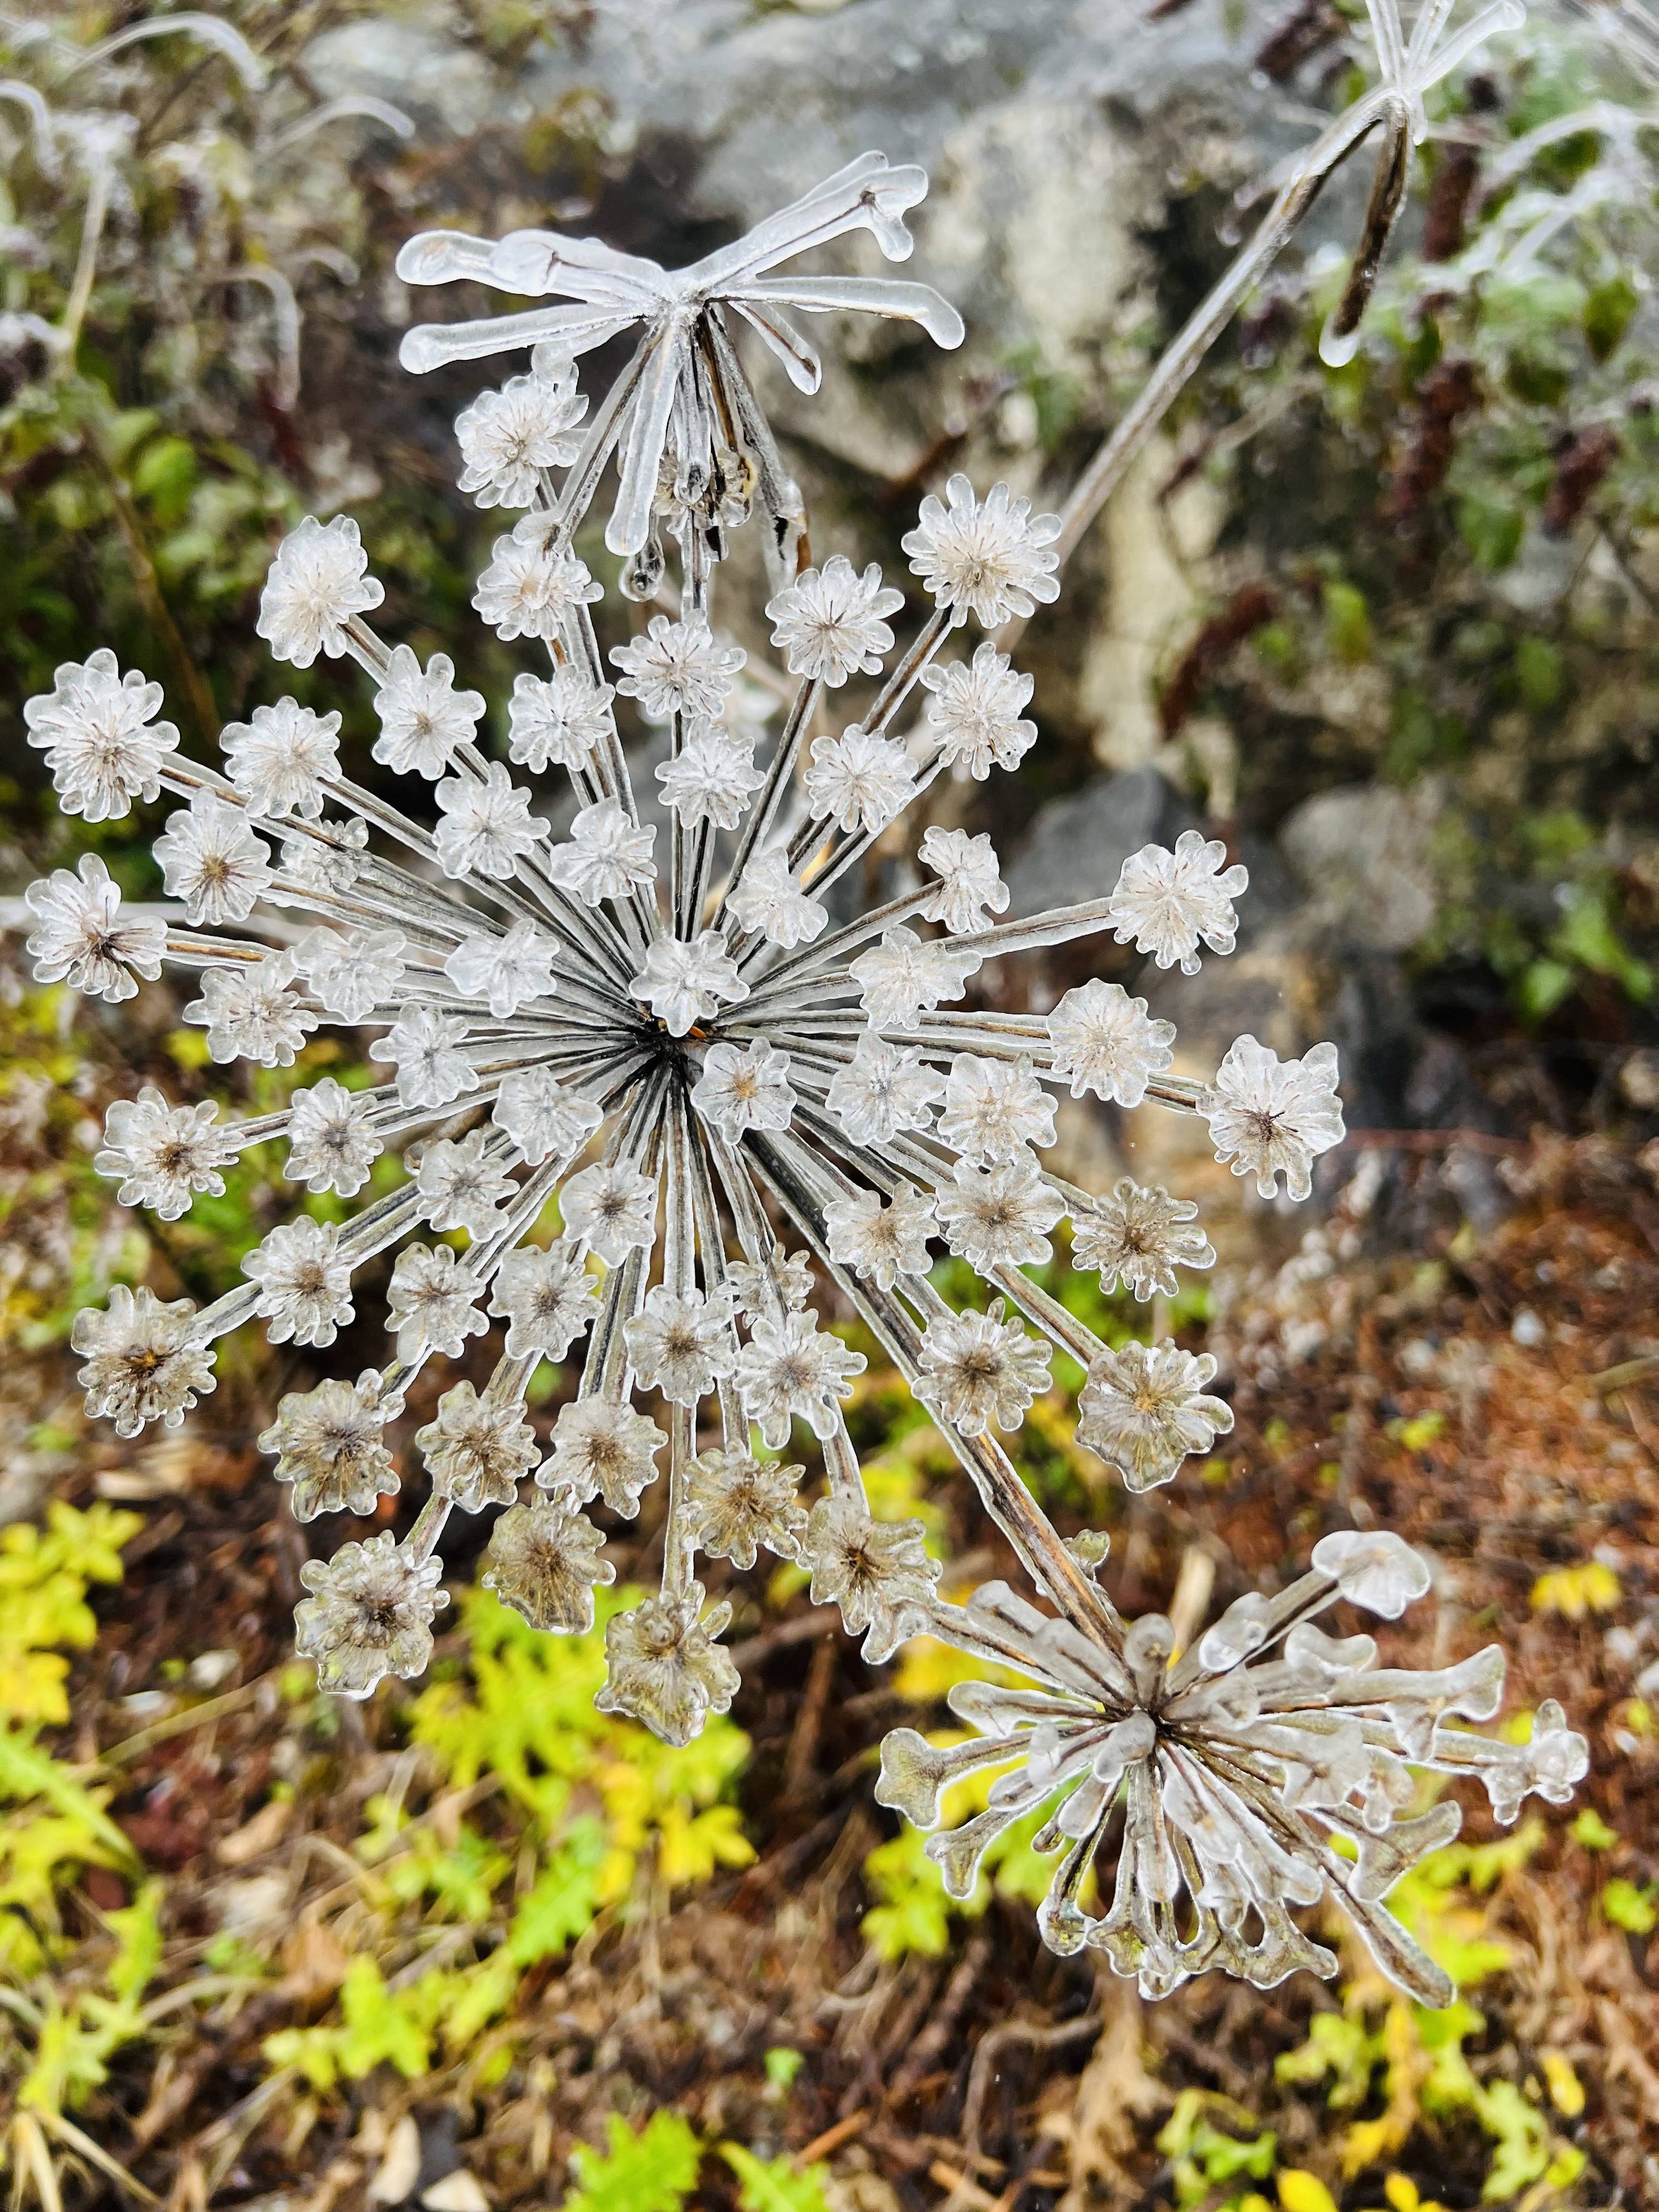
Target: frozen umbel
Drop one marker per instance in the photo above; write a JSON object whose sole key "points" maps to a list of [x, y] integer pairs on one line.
{"points": [[735, 1101]]}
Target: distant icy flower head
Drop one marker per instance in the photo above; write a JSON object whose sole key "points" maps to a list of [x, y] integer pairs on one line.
{"points": [[1000, 1216], [736, 1504], [740, 1090], [544, 1560], [683, 983], [884, 1089], [1106, 1042], [332, 1142], [790, 1369], [507, 972], [995, 1108], [831, 623], [462, 1182], [548, 1299], [330, 1448], [508, 437], [710, 778], [878, 1572], [666, 1668], [613, 1209], [680, 1343], [969, 888], [424, 720], [608, 853], [281, 756], [427, 1047], [304, 1282], [163, 1155], [543, 1118], [602, 1449], [432, 1302], [253, 1012], [142, 1361], [1271, 1116], [977, 1369], [1145, 1407], [557, 721], [213, 861], [858, 779], [477, 1449], [534, 584], [990, 558], [677, 668], [882, 1242], [488, 827], [1166, 904], [1140, 1237], [82, 940], [318, 582], [974, 713], [100, 738], [905, 976], [369, 1615], [771, 903], [352, 976]]}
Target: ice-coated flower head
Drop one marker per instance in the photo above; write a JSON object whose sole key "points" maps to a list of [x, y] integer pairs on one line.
{"points": [[351, 975], [463, 1184], [332, 1142], [830, 623], [317, 583], [369, 1615], [330, 1448], [1145, 1406], [82, 938], [163, 1155], [548, 1299], [432, 1302], [488, 827], [770, 903], [1167, 903], [977, 1369], [1234, 1768], [477, 1449], [427, 1050], [665, 1668], [735, 1503], [878, 1572], [253, 1012], [858, 779], [681, 1343], [999, 1217], [304, 1281], [510, 436], [613, 1209], [905, 977], [684, 981], [143, 1363], [1107, 1042], [1271, 1116], [710, 779], [884, 1089], [602, 1449], [740, 1090], [534, 584], [608, 853], [974, 713], [1138, 1237], [882, 1242], [213, 861], [791, 1367], [677, 668], [544, 1560], [990, 558], [994, 1109], [98, 729], [424, 720], [281, 756], [509, 971], [734, 1107], [970, 889], [543, 1118], [557, 721]]}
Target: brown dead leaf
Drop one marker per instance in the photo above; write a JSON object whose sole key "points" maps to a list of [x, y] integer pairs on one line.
{"points": [[255, 1837], [1115, 2093]]}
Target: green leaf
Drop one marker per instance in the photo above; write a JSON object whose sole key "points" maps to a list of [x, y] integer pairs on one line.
{"points": [[1608, 315], [773, 2185], [782, 2063], [1491, 529], [654, 2171], [1593, 1831], [1635, 1910], [562, 1903], [1347, 623]]}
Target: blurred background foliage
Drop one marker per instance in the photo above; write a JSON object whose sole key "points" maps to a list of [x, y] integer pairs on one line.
{"points": [[481, 1946]]}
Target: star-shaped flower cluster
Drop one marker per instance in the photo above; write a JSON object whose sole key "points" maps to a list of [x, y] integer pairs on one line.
{"points": [[735, 1100]]}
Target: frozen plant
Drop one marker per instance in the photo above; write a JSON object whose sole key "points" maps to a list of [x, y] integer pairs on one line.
{"points": [[734, 1103]]}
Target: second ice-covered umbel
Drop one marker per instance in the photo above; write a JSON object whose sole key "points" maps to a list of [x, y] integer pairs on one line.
{"points": [[740, 1085]]}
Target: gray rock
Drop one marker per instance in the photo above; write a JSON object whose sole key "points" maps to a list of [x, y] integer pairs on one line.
{"points": [[1076, 846], [1359, 855]]}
